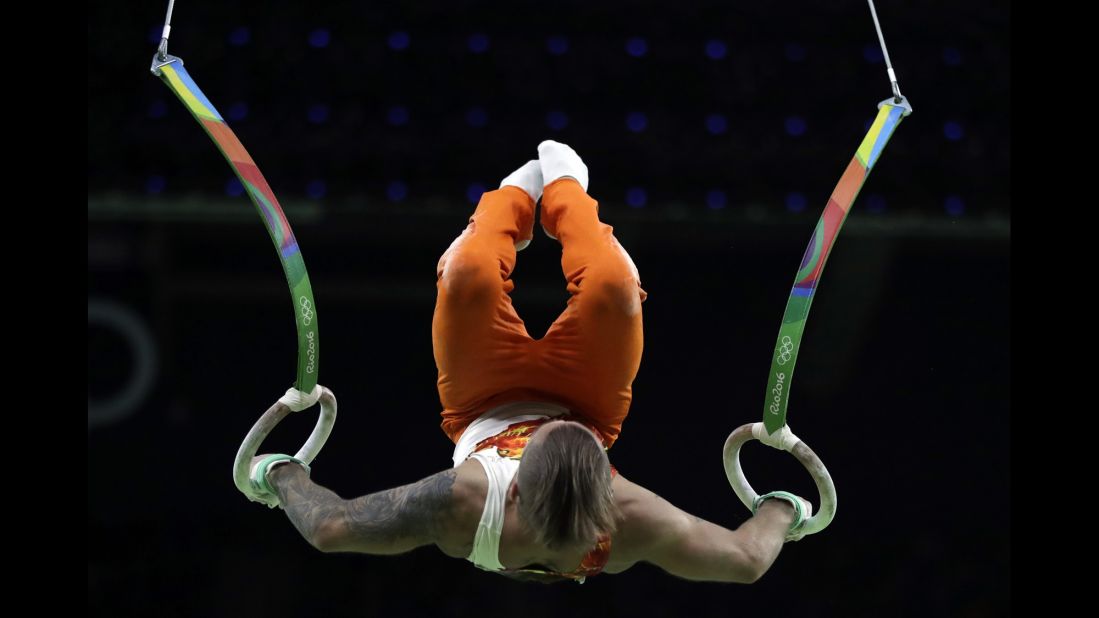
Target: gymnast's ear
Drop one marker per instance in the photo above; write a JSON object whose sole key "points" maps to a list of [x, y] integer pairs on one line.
{"points": [[513, 490]]}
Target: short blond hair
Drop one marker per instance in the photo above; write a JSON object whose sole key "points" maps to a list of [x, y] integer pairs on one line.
{"points": [[565, 495]]}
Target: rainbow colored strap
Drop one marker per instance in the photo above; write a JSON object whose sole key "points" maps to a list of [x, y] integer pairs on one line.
{"points": [[170, 69], [812, 263]]}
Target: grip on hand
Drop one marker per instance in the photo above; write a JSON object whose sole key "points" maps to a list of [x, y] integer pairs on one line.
{"points": [[250, 446], [799, 450]]}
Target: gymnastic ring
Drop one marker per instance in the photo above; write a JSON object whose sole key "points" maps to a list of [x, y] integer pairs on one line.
{"points": [[242, 466], [804, 454]]}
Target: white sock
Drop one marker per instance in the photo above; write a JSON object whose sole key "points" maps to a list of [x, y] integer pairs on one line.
{"points": [[560, 161], [527, 178]]}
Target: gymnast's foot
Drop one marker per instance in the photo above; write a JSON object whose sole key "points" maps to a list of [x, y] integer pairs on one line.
{"points": [[560, 161], [529, 179]]}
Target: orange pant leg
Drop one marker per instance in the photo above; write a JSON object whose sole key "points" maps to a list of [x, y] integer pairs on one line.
{"points": [[481, 346], [591, 354]]}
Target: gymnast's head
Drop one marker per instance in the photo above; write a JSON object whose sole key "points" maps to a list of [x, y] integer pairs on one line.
{"points": [[564, 486]]}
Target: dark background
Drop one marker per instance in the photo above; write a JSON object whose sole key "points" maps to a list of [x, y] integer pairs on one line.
{"points": [[714, 134]]}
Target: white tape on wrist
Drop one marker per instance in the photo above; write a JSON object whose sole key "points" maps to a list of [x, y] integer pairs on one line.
{"points": [[298, 401], [783, 439]]}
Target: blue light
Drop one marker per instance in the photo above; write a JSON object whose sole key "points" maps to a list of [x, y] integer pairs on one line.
{"points": [[866, 125], [238, 111], [795, 202], [953, 131], [316, 189], [474, 192], [557, 45], [319, 38], [954, 205], [795, 52], [397, 116], [240, 37], [637, 122], [795, 125], [716, 49], [717, 124], [155, 184], [233, 188], [399, 41], [871, 53], [158, 109], [952, 57], [636, 197], [476, 117], [637, 47], [397, 191], [716, 199], [557, 120], [155, 33], [875, 204], [318, 113], [478, 43]]}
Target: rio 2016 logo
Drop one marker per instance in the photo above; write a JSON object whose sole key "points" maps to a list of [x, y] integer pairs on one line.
{"points": [[312, 349], [776, 393]]}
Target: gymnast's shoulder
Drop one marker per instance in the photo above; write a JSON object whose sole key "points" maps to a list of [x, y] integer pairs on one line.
{"points": [[467, 502]]}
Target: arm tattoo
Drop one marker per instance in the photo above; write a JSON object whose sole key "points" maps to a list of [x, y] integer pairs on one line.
{"points": [[417, 513], [384, 522], [307, 504]]}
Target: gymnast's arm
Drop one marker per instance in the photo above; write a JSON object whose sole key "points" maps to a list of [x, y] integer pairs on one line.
{"points": [[686, 546], [387, 522]]}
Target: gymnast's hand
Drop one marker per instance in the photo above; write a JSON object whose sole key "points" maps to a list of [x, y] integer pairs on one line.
{"points": [[260, 467], [802, 510]]}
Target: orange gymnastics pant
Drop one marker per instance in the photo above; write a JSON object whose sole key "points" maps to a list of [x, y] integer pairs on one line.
{"points": [[590, 355]]}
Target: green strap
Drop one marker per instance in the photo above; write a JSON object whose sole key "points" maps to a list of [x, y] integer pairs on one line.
{"points": [[812, 263], [170, 70]]}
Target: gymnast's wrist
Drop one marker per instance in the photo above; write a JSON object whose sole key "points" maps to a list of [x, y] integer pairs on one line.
{"points": [[281, 470], [779, 508]]}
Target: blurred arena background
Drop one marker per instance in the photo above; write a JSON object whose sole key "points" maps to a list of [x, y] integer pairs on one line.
{"points": [[714, 134]]}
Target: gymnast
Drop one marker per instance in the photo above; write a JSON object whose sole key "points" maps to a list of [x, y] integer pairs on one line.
{"points": [[532, 494]]}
